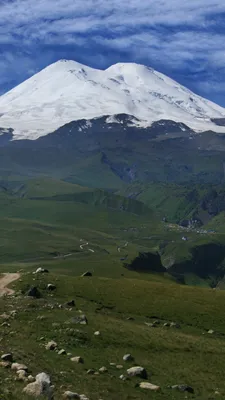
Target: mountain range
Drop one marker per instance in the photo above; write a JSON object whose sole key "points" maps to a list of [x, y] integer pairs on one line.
{"points": [[68, 91]]}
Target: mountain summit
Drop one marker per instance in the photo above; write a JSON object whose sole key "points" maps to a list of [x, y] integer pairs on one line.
{"points": [[67, 91]]}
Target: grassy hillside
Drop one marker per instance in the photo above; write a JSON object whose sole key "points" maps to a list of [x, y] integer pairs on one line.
{"points": [[120, 310]]}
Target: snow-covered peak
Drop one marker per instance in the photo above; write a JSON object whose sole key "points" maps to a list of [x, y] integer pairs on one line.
{"points": [[68, 90]]}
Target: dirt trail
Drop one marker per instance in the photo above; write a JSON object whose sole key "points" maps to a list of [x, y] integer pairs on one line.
{"points": [[5, 280]]}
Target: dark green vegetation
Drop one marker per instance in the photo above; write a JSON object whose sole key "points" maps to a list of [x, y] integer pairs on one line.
{"points": [[50, 221], [144, 211], [109, 155]]}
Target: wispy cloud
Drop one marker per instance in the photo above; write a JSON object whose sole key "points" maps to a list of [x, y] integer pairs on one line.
{"points": [[183, 39]]}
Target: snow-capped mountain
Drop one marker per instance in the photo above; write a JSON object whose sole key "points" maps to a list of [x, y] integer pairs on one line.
{"points": [[66, 91]]}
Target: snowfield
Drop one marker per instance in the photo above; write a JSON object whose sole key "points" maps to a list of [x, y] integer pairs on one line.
{"points": [[67, 91]]}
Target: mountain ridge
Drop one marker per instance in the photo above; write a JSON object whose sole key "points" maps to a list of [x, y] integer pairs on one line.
{"points": [[66, 91]]}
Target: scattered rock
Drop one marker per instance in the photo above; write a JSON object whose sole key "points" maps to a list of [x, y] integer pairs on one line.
{"points": [[51, 345], [51, 287], [83, 397], [112, 364], [22, 375], [97, 333], [70, 303], [78, 360], [130, 319], [71, 395], [30, 378], [43, 377], [5, 364], [41, 386], [137, 371], [41, 271], [123, 378], [210, 331], [88, 273], [5, 324], [7, 357], [128, 357], [150, 324], [119, 366], [82, 320], [103, 370], [34, 292], [166, 324], [183, 388], [62, 351], [90, 372], [174, 325], [17, 367], [149, 386]]}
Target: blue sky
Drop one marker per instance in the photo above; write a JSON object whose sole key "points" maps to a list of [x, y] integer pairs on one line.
{"points": [[183, 39]]}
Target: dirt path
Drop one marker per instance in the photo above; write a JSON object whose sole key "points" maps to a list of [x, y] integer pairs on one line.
{"points": [[5, 280]]}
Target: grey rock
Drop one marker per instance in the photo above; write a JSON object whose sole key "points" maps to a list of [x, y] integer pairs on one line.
{"points": [[137, 371], [103, 370], [70, 395], [174, 325], [7, 357], [149, 386], [128, 357], [34, 292], [123, 378], [88, 273], [22, 375], [41, 387], [51, 287], [51, 345], [78, 360], [61, 352], [82, 320], [17, 367], [183, 388], [70, 303], [90, 372], [5, 364], [41, 271]]}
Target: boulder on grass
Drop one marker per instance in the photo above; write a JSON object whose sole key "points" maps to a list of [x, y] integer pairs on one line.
{"points": [[137, 371]]}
